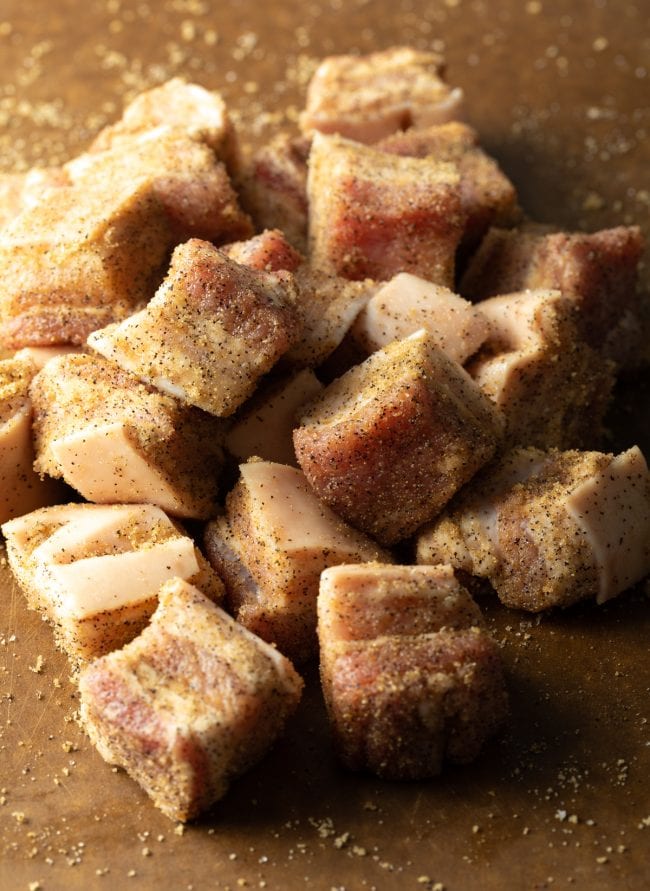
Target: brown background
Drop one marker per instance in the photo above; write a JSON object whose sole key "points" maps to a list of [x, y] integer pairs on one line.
{"points": [[560, 94]]}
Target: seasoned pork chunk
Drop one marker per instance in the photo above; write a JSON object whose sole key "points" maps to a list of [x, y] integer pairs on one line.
{"points": [[94, 571], [552, 388], [410, 676], [190, 184], [407, 303], [269, 251], [599, 270], [487, 196], [80, 258], [117, 440], [212, 330], [19, 191], [550, 528], [270, 549], [180, 106], [372, 215], [21, 488], [368, 97], [273, 187], [190, 704], [328, 306], [388, 444], [265, 427]]}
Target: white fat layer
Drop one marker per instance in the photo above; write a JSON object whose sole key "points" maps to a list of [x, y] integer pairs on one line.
{"points": [[613, 510], [105, 465]]}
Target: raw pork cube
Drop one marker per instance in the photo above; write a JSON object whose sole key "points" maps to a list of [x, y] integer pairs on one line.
{"points": [[599, 270], [212, 330], [179, 106], [388, 444], [19, 191], [269, 251], [550, 528], [372, 215], [407, 303], [21, 488], [265, 427], [368, 97], [94, 571], [487, 196], [273, 187], [328, 306], [190, 184], [552, 388], [190, 704], [270, 549], [410, 676], [117, 440], [83, 256]]}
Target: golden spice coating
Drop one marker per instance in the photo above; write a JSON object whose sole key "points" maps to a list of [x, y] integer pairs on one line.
{"points": [[372, 215], [19, 191], [410, 676], [21, 488], [269, 251], [598, 270], [117, 440], [273, 187], [368, 97], [552, 388], [213, 329], [408, 303], [270, 549], [328, 306], [94, 571], [487, 196], [389, 443], [549, 528], [190, 704]]}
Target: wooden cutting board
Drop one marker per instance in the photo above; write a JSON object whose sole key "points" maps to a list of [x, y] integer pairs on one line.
{"points": [[559, 93]]}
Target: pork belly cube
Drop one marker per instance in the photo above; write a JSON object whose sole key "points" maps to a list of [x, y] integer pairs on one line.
{"points": [[270, 549], [552, 388], [192, 187], [328, 306], [368, 97], [84, 256], [273, 187], [190, 704], [487, 196], [599, 270], [21, 488], [410, 676], [265, 427], [550, 528], [388, 444], [116, 440], [372, 215], [19, 191], [212, 330], [408, 303], [94, 571], [177, 105], [269, 251]]}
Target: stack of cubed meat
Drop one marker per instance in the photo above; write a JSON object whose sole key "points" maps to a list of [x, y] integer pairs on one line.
{"points": [[350, 357]]}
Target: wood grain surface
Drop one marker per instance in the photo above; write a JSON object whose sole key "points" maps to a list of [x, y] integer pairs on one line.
{"points": [[559, 92]]}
